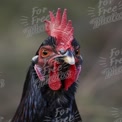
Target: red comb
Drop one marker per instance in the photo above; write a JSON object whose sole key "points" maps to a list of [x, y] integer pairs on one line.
{"points": [[59, 27]]}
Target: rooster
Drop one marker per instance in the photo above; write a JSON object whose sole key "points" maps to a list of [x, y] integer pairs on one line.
{"points": [[52, 78]]}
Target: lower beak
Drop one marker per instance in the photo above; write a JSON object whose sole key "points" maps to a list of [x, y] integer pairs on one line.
{"points": [[69, 58]]}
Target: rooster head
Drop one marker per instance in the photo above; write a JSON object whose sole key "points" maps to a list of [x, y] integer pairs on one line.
{"points": [[58, 61]]}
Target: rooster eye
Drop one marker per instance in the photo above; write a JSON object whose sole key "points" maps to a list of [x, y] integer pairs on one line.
{"points": [[45, 53], [77, 52]]}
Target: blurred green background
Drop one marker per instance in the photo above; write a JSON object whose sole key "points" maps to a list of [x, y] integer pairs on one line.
{"points": [[99, 98]]}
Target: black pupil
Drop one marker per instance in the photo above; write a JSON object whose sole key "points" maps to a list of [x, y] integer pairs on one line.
{"points": [[45, 52]]}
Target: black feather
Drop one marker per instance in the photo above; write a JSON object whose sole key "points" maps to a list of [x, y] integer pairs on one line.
{"points": [[40, 104]]}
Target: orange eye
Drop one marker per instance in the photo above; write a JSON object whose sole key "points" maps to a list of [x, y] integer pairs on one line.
{"points": [[77, 52], [44, 53]]}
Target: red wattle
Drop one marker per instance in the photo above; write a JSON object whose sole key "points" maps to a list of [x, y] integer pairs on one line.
{"points": [[54, 80], [72, 73]]}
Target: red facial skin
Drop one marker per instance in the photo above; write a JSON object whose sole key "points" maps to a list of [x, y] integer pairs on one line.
{"points": [[54, 81]]}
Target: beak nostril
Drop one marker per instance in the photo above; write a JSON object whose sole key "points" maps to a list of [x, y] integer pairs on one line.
{"points": [[62, 51], [67, 57]]}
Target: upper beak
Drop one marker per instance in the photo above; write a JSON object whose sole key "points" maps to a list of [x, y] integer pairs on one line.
{"points": [[69, 58]]}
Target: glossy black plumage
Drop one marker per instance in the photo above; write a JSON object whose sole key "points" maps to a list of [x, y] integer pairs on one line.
{"points": [[41, 104]]}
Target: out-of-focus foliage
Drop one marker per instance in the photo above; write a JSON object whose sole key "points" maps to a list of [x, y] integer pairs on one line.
{"points": [[97, 97]]}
